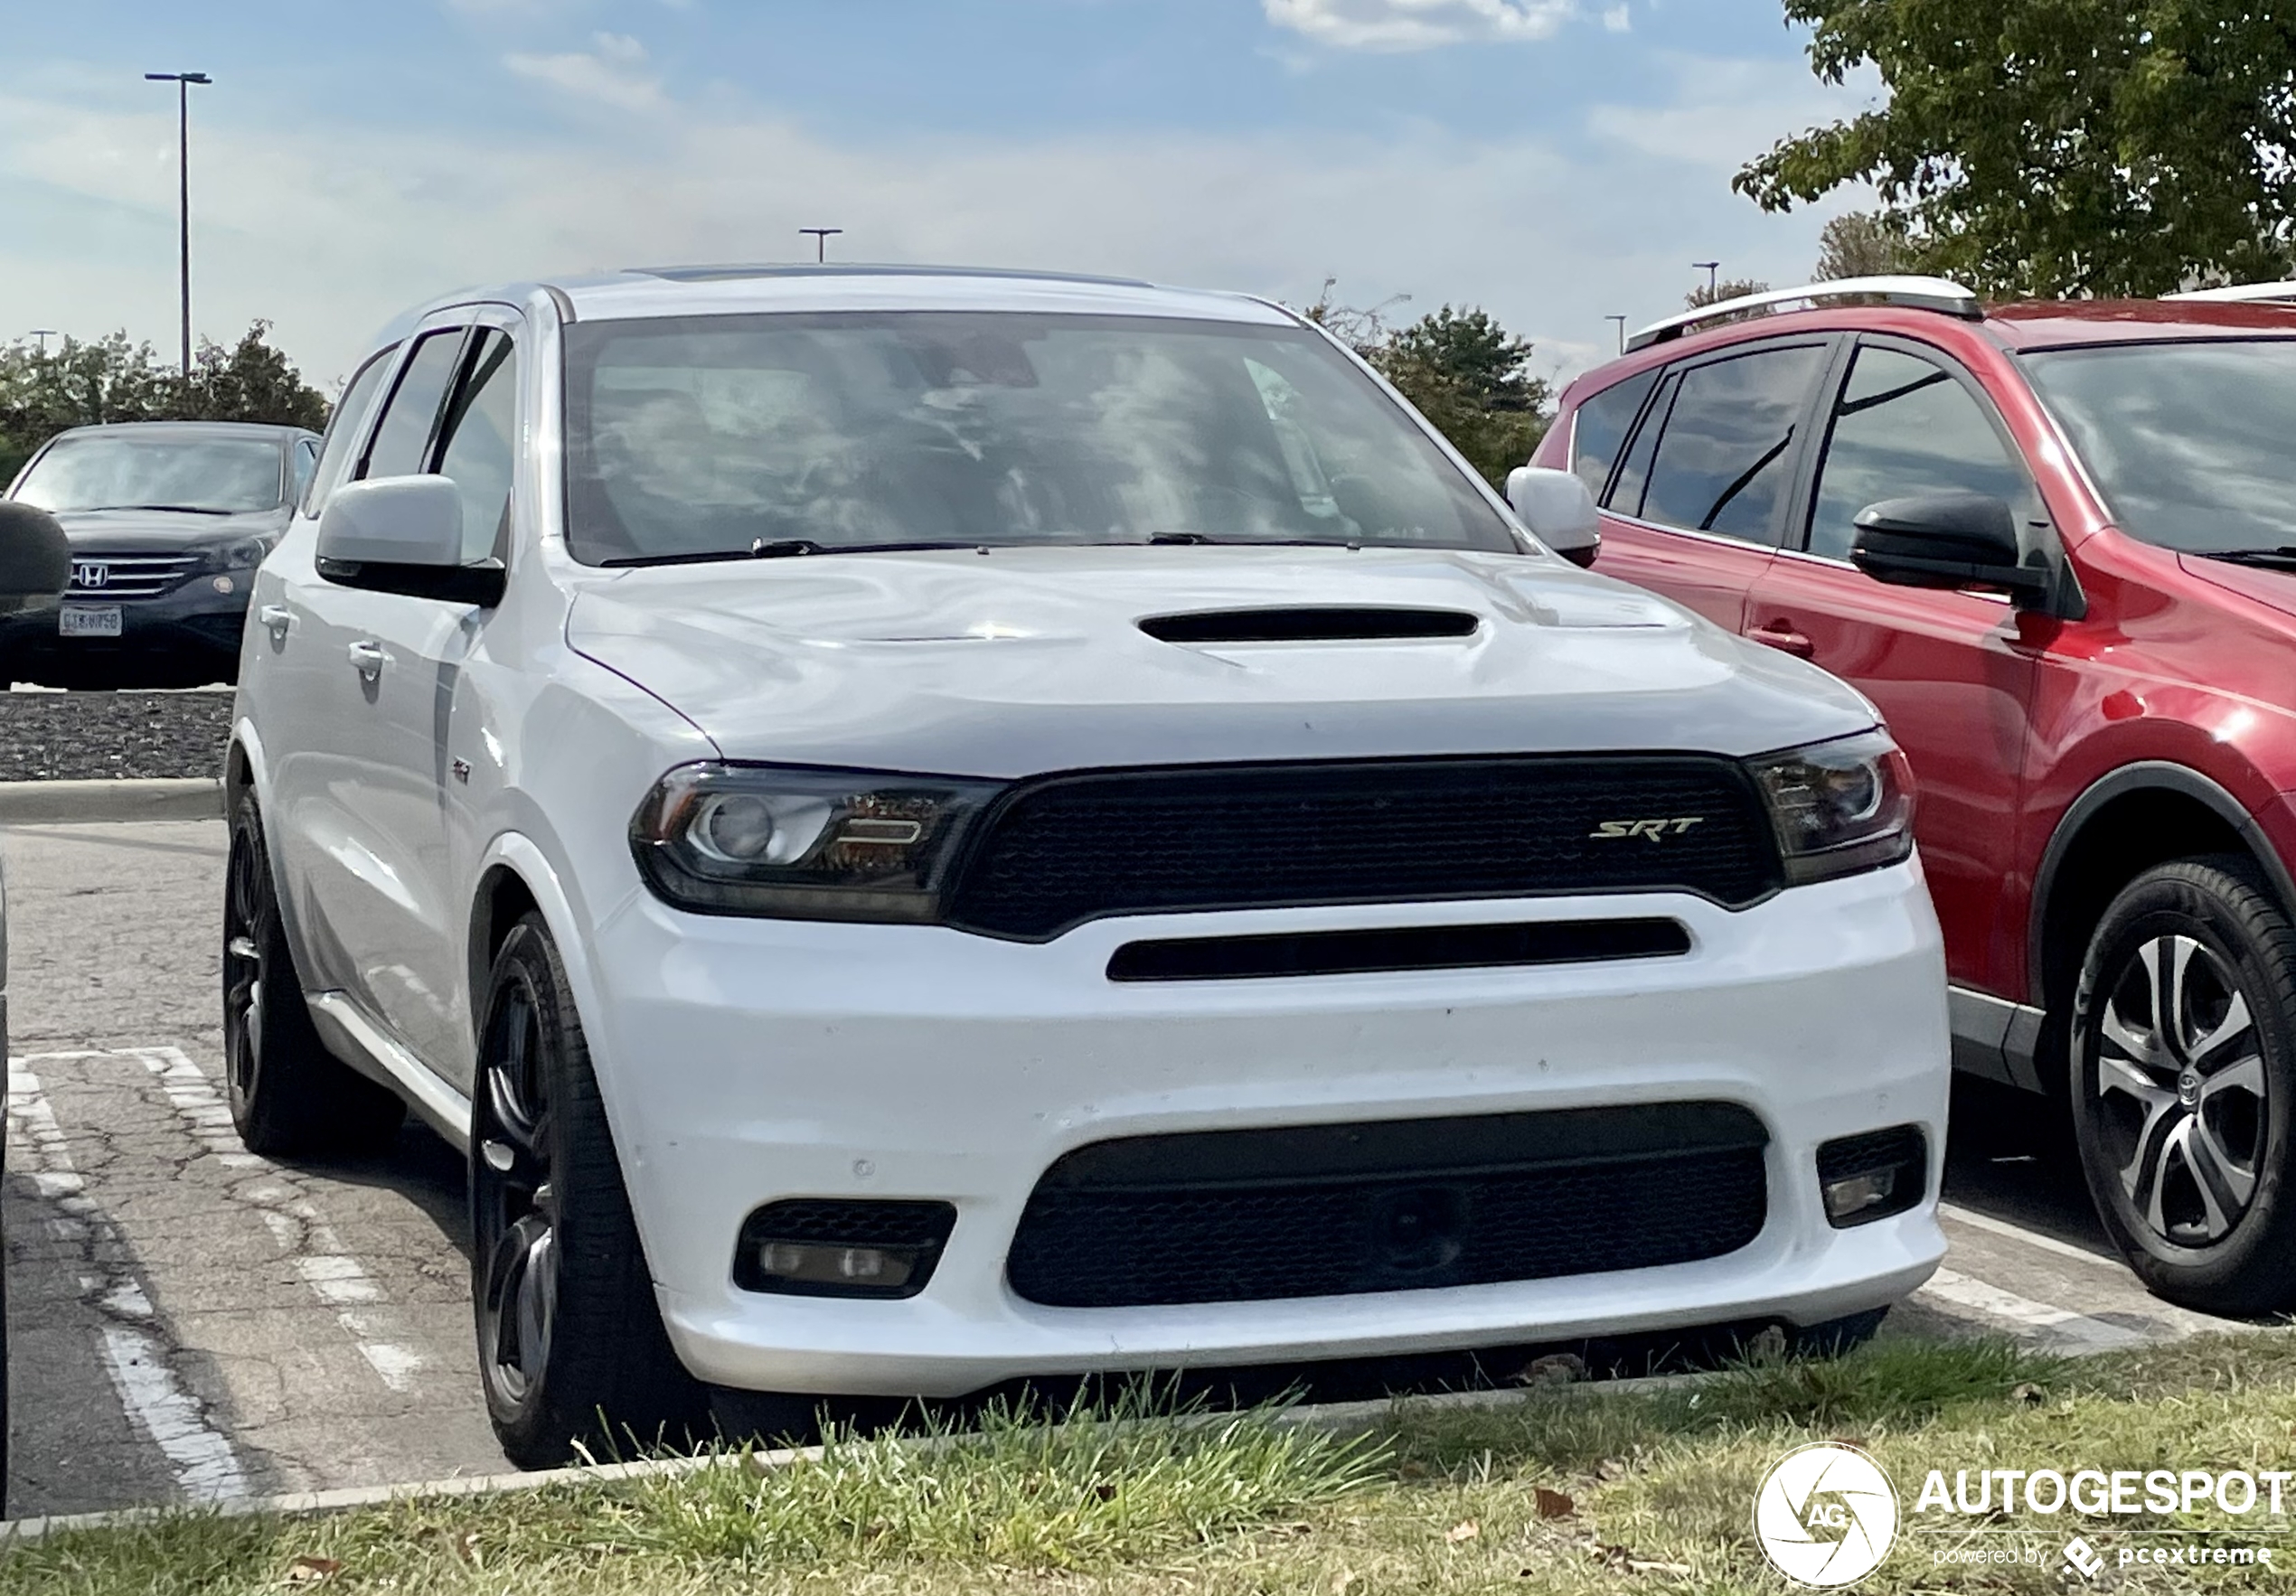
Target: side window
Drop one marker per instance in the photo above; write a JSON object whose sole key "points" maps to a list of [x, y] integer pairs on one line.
{"points": [[1903, 427], [1727, 455], [404, 436], [350, 413], [1598, 429], [476, 440], [307, 456], [1635, 474]]}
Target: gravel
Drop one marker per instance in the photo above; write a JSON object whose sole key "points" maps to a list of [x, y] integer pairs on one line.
{"points": [[51, 736]]}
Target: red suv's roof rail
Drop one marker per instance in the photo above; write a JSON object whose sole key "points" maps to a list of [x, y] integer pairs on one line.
{"points": [[1937, 294], [2239, 293]]}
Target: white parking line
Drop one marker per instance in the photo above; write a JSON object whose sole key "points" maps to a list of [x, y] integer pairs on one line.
{"points": [[2077, 1331], [335, 1276], [206, 1465]]}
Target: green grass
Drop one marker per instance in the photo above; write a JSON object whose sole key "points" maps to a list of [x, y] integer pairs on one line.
{"points": [[1437, 1500]]}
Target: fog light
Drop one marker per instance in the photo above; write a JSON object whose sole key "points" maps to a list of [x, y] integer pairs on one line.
{"points": [[883, 1269], [223, 585], [1862, 1179], [832, 1247]]}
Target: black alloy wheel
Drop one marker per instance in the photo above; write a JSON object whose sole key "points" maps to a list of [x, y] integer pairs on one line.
{"points": [[571, 1352], [2182, 1049], [288, 1094]]}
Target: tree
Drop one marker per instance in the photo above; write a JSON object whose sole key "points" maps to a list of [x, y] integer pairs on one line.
{"points": [[1862, 244], [2060, 146], [110, 379], [1728, 288]]}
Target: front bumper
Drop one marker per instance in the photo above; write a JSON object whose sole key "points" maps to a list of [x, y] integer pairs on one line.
{"points": [[191, 625], [748, 1061]]}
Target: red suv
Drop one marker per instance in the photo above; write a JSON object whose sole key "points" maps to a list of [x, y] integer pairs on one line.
{"points": [[2055, 544]]}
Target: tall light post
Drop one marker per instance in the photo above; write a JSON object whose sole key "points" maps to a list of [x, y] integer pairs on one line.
{"points": [[1713, 270], [1622, 332], [183, 82], [41, 336], [821, 237]]}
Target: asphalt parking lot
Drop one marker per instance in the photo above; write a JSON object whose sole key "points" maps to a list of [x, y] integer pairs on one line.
{"points": [[187, 1321]]}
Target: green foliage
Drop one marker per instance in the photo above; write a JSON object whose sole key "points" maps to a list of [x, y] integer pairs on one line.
{"points": [[2060, 146], [1862, 244], [1461, 370], [109, 379]]}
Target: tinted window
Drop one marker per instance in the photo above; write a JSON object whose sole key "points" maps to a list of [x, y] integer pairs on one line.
{"points": [[703, 435], [477, 452], [1726, 457], [2190, 443], [405, 432], [343, 426], [1906, 427], [1598, 430], [136, 468], [1634, 475]]}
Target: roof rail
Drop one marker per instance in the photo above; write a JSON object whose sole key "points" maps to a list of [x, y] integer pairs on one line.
{"points": [[2239, 294], [1938, 294]]}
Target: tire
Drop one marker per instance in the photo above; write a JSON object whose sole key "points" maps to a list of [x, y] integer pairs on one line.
{"points": [[288, 1094], [2183, 1076], [570, 1345]]}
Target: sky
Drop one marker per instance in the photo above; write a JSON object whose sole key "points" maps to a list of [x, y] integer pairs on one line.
{"points": [[1553, 161]]}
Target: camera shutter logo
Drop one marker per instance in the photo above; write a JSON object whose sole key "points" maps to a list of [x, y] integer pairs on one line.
{"points": [[1826, 1515]]}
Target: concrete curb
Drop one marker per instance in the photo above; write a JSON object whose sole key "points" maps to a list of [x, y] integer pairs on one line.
{"points": [[53, 803], [1347, 1416]]}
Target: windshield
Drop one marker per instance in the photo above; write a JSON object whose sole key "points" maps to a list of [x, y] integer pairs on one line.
{"points": [[2193, 445], [777, 433], [159, 470]]}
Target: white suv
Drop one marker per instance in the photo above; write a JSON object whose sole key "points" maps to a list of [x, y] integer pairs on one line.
{"points": [[926, 827]]}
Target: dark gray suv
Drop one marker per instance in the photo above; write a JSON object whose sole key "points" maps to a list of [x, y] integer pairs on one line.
{"points": [[168, 521]]}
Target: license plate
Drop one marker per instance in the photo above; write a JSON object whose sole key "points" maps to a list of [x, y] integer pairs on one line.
{"points": [[87, 620]]}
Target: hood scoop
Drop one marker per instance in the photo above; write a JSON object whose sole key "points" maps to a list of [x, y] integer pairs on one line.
{"points": [[1310, 623]]}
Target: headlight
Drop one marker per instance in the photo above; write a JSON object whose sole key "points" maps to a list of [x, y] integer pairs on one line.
{"points": [[244, 555], [1839, 807], [802, 844]]}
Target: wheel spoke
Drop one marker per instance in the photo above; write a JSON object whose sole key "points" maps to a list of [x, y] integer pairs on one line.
{"points": [[2140, 1176], [2171, 1022], [2120, 1075], [2242, 1074], [2117, 1031], [2226, 1185], [2236, 1024]]}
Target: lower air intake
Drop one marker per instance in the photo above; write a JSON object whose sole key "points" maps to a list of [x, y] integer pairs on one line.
{"points": [[1334, 1210]]}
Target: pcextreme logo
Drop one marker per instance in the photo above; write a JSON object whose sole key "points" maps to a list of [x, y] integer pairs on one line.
{"points": [[1825, 1515]]}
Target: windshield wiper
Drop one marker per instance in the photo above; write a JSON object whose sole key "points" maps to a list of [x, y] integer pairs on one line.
{"points": [[2285, 555], [774, 549], [181, 508], [1206, 539]]}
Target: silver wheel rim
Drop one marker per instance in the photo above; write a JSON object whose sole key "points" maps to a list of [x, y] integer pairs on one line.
{"points": [[243, 967], [2180, 1081]]}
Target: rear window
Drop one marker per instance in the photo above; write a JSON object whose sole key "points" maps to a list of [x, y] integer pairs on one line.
{"points": [[2193, 445], [702, 437]]}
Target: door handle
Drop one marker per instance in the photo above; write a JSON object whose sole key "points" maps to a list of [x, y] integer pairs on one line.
{"points": [[276, 618], [1782, 636], [368, 658]]}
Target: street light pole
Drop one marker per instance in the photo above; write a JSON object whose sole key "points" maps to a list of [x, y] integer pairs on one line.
{"points": [[1713, 270], [1622, 332], [821, 237], [41, 334], [183, 82]]}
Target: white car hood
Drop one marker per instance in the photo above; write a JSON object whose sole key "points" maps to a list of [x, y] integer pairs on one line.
{"points": [[1015, 662]]}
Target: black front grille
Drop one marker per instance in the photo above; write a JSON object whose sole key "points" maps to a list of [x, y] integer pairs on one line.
{"points": [[1332, 1211], [1389, 949], [1065, 849]]}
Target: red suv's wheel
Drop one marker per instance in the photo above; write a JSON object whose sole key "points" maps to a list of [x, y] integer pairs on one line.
{"points": [[2182, 1060]]}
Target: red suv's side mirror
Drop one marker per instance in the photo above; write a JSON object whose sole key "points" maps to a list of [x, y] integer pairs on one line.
{"points": [[1947, 540]]}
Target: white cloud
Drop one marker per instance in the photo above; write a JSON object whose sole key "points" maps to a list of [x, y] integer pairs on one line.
{"points": [[613, 73], [1418, 24], [328, 228], [1617, 19]]}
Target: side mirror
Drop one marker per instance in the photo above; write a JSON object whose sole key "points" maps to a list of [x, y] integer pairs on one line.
{"points": [[35, 558], [1947, 540], [403, 534], [1559, 510]]}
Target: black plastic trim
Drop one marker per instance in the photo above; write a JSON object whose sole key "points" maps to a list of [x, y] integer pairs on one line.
{"points": [[831, 1222], [1310, 624], [1388, 949]]}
